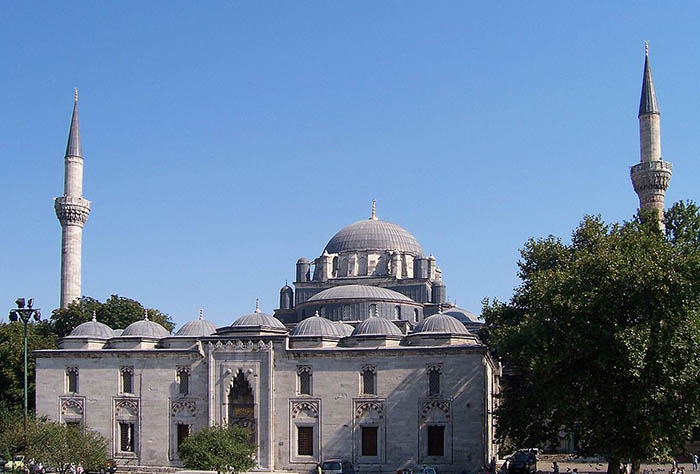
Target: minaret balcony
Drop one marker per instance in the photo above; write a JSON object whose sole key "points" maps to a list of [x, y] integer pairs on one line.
{"points": [[651, 176], [72, 210]]}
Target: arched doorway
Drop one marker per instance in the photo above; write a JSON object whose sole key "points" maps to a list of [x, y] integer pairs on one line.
{"points": [[241, 405]]}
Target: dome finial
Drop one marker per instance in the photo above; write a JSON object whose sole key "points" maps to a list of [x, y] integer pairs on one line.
{"points": [[201, 314], [257, 305], [75, 94], [316, 314], [94, 315], [646, 48], [376, 312], [373, 217], [145, 314]]}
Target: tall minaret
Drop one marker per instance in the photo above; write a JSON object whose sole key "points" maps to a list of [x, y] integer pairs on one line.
{"points": [[651, 176], [72, 212]]}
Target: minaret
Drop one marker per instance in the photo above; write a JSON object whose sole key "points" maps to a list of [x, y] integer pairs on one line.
{"points": [[72, 212], [651, 176]]}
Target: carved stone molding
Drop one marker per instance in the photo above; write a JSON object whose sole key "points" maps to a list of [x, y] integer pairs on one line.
{"points": [[240, 346], [188, 406], [303, 369], [72, 210], [184, 370], [430, 368], [310, 407], [368, 368], [367, 407], [443, 405], [72, 406], [126, 407], [71, 370], [126, 369]]}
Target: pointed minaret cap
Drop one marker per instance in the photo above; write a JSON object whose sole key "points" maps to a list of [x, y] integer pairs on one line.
{"points": [[257, 305], [647, 103], [374, 217], [74, 147]]}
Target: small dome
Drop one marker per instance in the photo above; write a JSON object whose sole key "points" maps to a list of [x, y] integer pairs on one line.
{"points": [[93, 329], [118, 332], [441, 324], [258, 320], [375, 326], [197, 328], [344, 329], [374, 234], [145, 328], [285, 288], [303, 260], [317, 326], [463, 316], [351, 292]]}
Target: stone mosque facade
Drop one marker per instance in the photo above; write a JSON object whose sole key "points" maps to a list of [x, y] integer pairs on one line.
{"points": [[364, 360]]}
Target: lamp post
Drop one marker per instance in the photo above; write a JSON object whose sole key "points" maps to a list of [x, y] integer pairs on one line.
{"points": [[25, 314]]}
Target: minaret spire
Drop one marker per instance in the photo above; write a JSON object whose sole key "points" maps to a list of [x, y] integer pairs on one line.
{"points": [[652, 175], [72, 211]]}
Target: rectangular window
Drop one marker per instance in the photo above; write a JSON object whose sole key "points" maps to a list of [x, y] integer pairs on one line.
{"points": [[305, 383], [126, 437], [184, 382], [72, 382], [434, 382], [436, 440], [368, 382], [369, 441], [305, 440], [183, 431]]}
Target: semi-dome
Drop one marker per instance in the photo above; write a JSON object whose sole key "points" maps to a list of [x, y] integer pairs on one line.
{"points": [[197, 328], [257, 319], [374, 234], [353, 292], [344, 329], [440, 323], [375, 326], [463, 316], [318, 327], [92, 329], [145, 328]]}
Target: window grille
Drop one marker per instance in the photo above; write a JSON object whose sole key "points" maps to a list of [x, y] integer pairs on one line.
{"points": [[434, 382], [369, 441], [305, 440], [127, 379], [369, 381], [72, 374], [305, 383], [436, 440], [126, 437]]}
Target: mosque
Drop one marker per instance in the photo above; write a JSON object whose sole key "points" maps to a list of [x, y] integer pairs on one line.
{"points": [[364, 360]]}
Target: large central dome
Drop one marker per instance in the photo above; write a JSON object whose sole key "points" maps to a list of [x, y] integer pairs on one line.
{"points": [[374, 234]]}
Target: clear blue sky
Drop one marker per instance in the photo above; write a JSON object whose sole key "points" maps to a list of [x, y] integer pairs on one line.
{"points": [[224, 140]]}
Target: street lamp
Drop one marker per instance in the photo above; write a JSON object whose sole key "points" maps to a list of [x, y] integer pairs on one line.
{"points": [[25, 315]]}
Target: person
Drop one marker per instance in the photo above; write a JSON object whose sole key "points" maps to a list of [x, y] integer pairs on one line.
{"points": [[695, 462], [492, 465], [319, 470], [555, 468]]}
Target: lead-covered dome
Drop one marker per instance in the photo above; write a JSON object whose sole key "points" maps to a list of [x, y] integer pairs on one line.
{"points": [[92, 329], [197, 328], [441, 324], [257, 319], [375, 326], [374, 234], [463, 316], [317, 326], [353, 292], [145, 328], [344, 329]]}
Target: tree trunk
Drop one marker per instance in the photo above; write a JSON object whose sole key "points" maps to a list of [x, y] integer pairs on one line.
{"points": [[636, 464], [613, 466]]}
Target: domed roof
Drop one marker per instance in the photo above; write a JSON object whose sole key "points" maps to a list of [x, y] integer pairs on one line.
{"points": [[258, 319], [463, 316], [317, 326], [145, 328], [303, 260], [375, 326], [351, 292], [93, 329], [344, 329], [441, 324], [197, 328], [374, 234]]}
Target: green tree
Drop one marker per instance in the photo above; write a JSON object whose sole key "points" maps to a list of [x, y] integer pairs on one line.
{"points": [[116, 312], [224, 449], [58, 446], [11, 434], [39, 336], [603, 337]]}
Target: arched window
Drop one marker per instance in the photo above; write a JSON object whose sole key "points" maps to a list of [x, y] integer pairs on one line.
{"points": [[415, 315], [127, 379], [304, 373], [72, 379], [241, 407], [183, 378], [347, 313], [434, 380], [369, 380], [397, 312], [372, 310]]}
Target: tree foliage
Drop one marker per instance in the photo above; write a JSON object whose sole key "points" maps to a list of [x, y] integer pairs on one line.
{"points": [[58, 446], [11, 430], [224, 449], [39, 336], [116, 312], [603, 337]]}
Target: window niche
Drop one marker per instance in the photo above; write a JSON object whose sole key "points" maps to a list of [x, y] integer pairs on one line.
{"points": [[434, 374], [183, 380], [369, 431], [368, 380], [305, 431], [126, 416], [304, 379], [126, 382], [71, 380]]}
